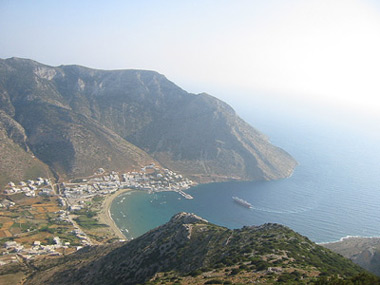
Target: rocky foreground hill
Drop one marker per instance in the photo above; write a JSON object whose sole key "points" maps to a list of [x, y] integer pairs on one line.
{"points": [[190, 250], [71, 120]]}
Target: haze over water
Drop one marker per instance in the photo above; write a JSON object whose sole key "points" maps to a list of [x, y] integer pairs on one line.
{"points": [[333, 193]]}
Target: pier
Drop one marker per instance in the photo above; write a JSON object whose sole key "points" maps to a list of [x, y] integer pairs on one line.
{"points": [[185, 195]]}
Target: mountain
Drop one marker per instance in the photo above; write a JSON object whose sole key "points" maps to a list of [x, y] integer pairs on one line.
{"points": [[75, 119], [17, 161], [190, 250], [362, 251]]}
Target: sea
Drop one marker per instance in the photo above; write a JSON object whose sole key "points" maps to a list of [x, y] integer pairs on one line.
{"points": [[333, 193]]}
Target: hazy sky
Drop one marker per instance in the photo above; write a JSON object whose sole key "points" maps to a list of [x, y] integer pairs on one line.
{"points": [[322, 51]]}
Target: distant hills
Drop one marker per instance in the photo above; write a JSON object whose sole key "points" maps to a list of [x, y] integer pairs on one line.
{"points": [[190, 250], [363, 251], [69, 121]]}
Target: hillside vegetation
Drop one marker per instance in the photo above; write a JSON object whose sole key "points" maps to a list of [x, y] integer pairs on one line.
{"points": [[190, 250]]}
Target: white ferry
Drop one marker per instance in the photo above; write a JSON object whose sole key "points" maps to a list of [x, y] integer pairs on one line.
{"points": [[242, 202]]}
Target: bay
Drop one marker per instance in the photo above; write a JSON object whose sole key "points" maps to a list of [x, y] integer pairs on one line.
{"points": [[333, 193]]}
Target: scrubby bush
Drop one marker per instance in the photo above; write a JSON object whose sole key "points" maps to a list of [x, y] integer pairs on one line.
{"points": [[214, 281]]}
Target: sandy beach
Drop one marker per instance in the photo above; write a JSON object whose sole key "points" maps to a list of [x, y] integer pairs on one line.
{"points": [[105, 215]]}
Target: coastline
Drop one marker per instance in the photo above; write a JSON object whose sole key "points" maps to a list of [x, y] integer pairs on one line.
{"points": [[363, 251], [352, 245], [105, 215], [348, 239]]}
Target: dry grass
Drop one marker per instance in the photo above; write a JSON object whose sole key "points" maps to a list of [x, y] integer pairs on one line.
{"points": [[5, 233], [12, 279], [6, 224], [33, 211], [41, 236]]}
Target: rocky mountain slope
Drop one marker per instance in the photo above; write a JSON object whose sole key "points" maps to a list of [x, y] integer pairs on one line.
{"points": [[190, 250], [75, 120], [17, 161], [362, 251]]}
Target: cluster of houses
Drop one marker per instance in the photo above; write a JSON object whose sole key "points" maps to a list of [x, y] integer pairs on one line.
{"points": [[12, 247], [64, 216], [82, 236], [96, 186], [6, 204], [73, 196], [156, 181], [150, 178], [37, 248], [28, 188]]}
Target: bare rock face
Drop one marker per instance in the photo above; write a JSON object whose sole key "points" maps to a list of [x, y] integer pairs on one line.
{"points": [[14, 130], [76, 119], [17, 162], [186, 218]]}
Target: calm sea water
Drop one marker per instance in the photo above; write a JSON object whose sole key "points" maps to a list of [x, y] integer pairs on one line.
{"points": [[333, 193]]}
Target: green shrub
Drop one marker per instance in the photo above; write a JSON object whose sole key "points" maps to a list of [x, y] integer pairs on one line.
{"points": [[195, 273], [235, 271], [214, 281]]}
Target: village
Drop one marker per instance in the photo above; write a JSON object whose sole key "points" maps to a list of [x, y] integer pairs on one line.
{"points": [[41, 218], [150, 178]]}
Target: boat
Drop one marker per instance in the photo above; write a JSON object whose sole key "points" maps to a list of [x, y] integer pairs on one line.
{"points": [[242, 202]]}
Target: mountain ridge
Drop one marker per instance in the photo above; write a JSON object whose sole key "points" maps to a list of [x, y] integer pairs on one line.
{"points": [[190, 249], [140, 111]]}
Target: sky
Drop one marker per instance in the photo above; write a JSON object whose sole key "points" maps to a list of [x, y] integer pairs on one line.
{"points": [[312, 53]]}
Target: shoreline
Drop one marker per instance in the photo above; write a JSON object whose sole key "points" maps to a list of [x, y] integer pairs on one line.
{"points": [[105, 214], [105, 217], [349, 238], [356, 248]]}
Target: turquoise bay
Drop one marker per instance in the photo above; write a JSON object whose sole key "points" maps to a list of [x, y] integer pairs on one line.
{"points": [[333, 193]]}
